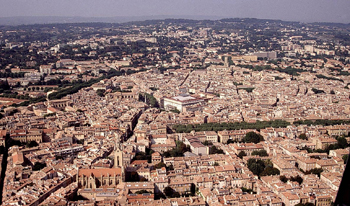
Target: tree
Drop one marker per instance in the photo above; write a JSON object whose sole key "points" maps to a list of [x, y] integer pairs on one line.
{"points": [[270, 171], [159, 165], [255, 166], [38, 166], [171, 167], [297, 179], [207, 143], [143, 179], [252, 137], [303, 136], [32, 144], [142, 192], [134, 177], [230, 141], [342, 143], [283, 178], [214, 150], [101, 92], [261, 153], [241, 154], [80, 141], [178, 151], [170, 192]]}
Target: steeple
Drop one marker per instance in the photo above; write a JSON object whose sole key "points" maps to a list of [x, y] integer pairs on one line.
{"points": [[118, 154]]}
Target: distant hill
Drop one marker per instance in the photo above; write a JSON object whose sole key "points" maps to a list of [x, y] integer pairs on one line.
{"points": [[24, 20]]}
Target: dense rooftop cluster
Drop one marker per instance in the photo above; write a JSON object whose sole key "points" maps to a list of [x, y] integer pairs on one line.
{"points": [[174, 112]]}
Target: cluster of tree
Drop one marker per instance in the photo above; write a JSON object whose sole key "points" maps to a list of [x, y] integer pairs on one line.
{"points": [[249, 89], [30, 101], [101, 92], [175, 111], [247, 190], [12, 112], [341, 144], [318, 91], [229, 126], [323, 122], [170, 192], [144, 155], [278, 78], [71, 90], [261, 153], [142, 192], [316, 171], [80, 141], [242, 154], [38, 166], [4, 85], [297, 178], [159, 165], [153, 88], [207, 143], [149, 99], [289, 70], [31, 144], [50, 115], [178, 151], [262, 168], [320, 76], [16, 96], [303, 136], [253, 137], [134, 177], [77, 86], [214, 150]]}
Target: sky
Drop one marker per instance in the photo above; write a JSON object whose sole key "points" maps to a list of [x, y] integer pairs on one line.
{"points": [[292, 10]]}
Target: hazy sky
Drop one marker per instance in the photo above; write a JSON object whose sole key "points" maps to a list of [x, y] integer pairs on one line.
{"points": [[296, 10]]}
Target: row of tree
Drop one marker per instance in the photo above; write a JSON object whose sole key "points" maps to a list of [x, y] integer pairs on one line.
{"points": [[180, 128], [323, 122]]}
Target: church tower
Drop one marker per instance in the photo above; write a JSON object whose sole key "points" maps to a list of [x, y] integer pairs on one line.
{"points": [[118, 159], [118, 155]]}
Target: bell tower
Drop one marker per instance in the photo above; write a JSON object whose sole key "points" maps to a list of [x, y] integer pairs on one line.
{"points": [[118, 159], [118, 155]]}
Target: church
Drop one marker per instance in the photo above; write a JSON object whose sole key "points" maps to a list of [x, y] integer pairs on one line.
{"points": [[96, 178]]}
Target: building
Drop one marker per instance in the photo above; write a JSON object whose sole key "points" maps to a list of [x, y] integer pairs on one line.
{"points": [[181, 101], [3, 134], [156, 158], [46, 69], [96, 178], [67, 63], [59, 104]]}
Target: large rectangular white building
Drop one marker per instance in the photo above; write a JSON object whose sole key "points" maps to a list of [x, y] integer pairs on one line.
{"points": [[181, 101]]}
